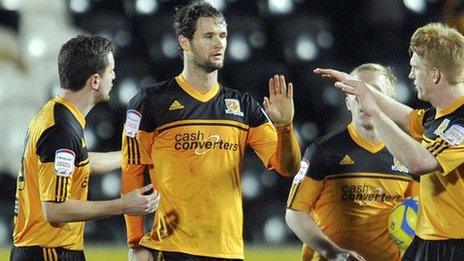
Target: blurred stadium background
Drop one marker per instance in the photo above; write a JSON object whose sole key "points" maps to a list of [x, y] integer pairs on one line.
{"points": [[266, 37]]}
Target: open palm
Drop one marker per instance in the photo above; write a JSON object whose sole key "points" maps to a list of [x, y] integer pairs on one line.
{"points": [[279, 106]]}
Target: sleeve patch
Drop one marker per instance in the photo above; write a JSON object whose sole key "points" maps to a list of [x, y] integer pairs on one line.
{"points": [[64, 162], [133, 119], [299, 177], [454, 135]]}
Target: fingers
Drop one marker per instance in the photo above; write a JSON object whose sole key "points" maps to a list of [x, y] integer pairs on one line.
{"points": [[266, 104], [145, 188], [272, 90], [347, 88], [290, 91]]}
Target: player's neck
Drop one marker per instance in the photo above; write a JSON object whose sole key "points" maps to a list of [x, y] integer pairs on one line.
{"points": [[447, 97], [199, 79], [368, 134], [84, 102]]}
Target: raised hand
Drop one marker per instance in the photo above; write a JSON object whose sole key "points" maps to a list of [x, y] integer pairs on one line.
{"points": [[333, 74], [279, 105], [136, 203]]}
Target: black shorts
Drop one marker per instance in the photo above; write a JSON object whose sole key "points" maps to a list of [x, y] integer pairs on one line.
{"points": [[449, 250], [36, 253], [177, 256]]}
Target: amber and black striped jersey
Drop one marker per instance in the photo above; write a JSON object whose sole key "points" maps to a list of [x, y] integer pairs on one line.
{"points": [[196, 143], [54, 168], [441, 214], [348, 186]]}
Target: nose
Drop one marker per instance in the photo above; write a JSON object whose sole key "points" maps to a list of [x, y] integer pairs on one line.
{"points": [[411, 75]]}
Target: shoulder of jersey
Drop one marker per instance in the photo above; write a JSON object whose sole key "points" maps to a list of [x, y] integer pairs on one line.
{"points": [[333, 139]]}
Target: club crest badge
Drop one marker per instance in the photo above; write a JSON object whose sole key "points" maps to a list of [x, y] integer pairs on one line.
{"points": [[233, 107]]}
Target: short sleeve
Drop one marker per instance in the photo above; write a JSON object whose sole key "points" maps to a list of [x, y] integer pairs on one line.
{"points": [[416, 118], [308, 183], [57, 149], [138, 134]]}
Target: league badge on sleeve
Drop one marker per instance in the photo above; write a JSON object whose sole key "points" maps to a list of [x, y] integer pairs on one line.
{"points": [[299, 177], [64, 162], [133, 119], [454, 135]]}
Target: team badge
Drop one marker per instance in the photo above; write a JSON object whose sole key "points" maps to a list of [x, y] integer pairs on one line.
{"points": [[233, 107], [454, 135], [64, 162], [441, 128], [133, 119], [299, 177]]}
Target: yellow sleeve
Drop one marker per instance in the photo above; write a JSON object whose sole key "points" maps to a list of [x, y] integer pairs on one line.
{"points": [[277, 149], [413, 189], [52, 186], [137, 150], [132, 178], [304, 194], [415, 122], [451, 158]]}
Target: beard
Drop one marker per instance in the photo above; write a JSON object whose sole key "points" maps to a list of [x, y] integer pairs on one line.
{"points": [[205, 64]]}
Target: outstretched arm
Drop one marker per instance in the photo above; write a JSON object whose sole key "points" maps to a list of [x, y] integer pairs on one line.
{"points": [[308, 232], [104, 162], [280, 109], [402, 146], [133, 203], [395, 110]]}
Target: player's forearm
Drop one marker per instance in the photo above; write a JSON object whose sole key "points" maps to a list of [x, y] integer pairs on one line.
{"points": [[395, 110], [75, 210], [288, 151], [103, 162], [309, 232], [417, 159], [132, 178]]}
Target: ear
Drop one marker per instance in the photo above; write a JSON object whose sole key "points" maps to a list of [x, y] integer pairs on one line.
{"points": [[94, 81], [436, 75], [184, 43], [347, 103]]}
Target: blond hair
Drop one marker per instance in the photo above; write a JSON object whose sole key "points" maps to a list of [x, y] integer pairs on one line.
{"points": [[390, 79], [440, 47]]}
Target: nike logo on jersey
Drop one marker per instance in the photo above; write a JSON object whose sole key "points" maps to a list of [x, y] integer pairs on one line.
{"points": [[176, 105], [346, 160]]}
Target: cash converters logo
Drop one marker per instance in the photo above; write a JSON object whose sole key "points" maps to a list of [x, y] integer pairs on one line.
{"points": [[197, 141], [365, 192]]}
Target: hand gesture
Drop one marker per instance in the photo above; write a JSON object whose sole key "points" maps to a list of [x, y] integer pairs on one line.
{"points": [[279, 105], [333, 74], [350, 85], [136, 203]]}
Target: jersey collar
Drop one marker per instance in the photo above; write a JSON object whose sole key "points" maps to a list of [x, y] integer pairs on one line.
{"points": [[447, 110], [364, 143], [80, 118], [203, 97]]}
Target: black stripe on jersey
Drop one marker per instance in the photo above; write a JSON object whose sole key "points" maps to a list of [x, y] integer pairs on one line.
{"points": [[440, 149], [65, 189], [345, 176], [83, 163], [57, 189], [137, 152], [201, 124], [292, 194], [129, 154]]}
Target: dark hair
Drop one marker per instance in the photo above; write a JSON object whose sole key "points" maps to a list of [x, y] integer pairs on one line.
{"points": [[81, 57], [186, 17]]}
